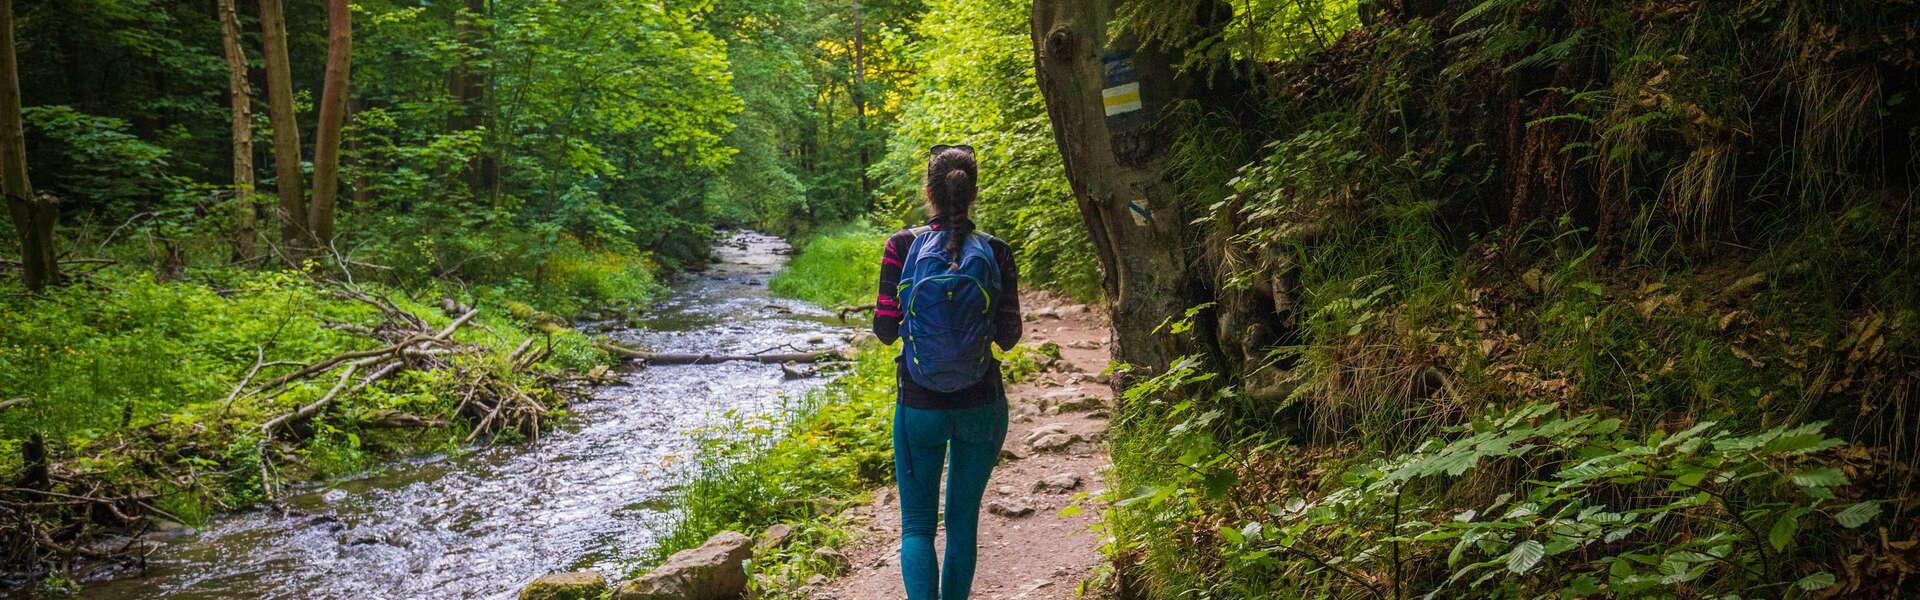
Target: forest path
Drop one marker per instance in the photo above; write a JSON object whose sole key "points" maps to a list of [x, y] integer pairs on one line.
{"points": [[1054, 457]]}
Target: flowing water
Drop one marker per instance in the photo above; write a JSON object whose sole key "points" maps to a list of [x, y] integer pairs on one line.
{"points": [[481, 524]]}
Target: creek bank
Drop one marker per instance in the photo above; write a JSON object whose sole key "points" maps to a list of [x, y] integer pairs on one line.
{"points": [[485, 521]]}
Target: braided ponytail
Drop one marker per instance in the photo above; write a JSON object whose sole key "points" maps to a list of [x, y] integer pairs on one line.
{"points": [[951, 189], [960, 224]]}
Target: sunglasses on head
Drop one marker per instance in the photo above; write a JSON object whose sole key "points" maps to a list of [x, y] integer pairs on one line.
{"points": [[938, 148]]}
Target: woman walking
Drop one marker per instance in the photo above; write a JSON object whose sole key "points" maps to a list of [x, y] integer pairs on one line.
{"points": [[946, 291]]}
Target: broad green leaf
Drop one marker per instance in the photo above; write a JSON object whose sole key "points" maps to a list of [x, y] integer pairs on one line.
{"points": [[1816, 581], [1524, 556], [1782, 532], [1858, 514], [1820, 477]]}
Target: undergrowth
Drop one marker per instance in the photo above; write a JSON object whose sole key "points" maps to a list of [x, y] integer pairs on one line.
{"points": [[1579, 299]]}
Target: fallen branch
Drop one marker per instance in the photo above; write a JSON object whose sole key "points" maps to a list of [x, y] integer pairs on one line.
{"points": [[267, 428], [12, 403], [667, 358], [393, 419], [393, 350], [847, 310]]}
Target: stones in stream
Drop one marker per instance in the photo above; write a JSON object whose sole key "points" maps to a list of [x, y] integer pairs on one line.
{"points": [[576, 585]]}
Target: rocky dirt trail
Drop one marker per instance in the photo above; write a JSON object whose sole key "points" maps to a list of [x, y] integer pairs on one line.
{"points": [[1054, 457]]}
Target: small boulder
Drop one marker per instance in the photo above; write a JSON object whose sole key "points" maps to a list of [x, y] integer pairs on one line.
{"points": [[576, 585], [1069, 400], [1056, 442], [1045, 430], [835, 561], [1061, 483], [1012, 509], [711, 572], [773, 538]]}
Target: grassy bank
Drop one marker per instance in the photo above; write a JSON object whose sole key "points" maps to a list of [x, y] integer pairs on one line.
{"points": [[837, 267], [151, 394]]}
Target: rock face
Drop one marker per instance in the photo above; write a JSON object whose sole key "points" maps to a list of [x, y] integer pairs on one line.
{"points": [[710, 572], [577, 585]]}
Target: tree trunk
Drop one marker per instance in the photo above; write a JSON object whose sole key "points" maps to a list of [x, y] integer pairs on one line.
{"points": [[333, 117], [469, 91], [286, 131], [33, 216], [1115, 147], [240, 96]]}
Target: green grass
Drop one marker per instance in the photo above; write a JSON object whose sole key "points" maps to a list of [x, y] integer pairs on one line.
{"points": [[835, 268]]}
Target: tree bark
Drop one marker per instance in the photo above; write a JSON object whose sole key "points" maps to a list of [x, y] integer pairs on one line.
{"points": [[1121, 174], [333, 118], [469, 91], [33, 216], [240, 96], [286, 130]]}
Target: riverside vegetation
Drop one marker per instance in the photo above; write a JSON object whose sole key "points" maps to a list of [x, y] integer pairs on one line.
{"points": [[1490, 298]]}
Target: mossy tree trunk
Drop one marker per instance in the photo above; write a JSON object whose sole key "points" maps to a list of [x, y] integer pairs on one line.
{"points": [[1117, 115]]}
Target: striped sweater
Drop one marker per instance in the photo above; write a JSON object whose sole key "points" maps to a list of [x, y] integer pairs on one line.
{"points": [[1006, 322]]}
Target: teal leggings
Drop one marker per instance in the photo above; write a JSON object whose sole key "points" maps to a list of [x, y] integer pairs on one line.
{"points": [[922, 441]]}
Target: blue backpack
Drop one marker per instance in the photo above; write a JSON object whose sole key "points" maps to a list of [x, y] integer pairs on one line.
{"points": [[948, 303]]}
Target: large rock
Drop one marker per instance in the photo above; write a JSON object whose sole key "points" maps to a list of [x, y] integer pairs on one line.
{"points": [[710, 572], [577, 585]]}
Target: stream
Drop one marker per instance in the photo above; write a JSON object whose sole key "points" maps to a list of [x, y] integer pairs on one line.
{"points": [[481, 524]]}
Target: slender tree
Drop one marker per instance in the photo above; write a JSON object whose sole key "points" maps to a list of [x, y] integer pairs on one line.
{"points": [[469, 91], [240, 95], [286, 130], [32, 216], [333, 117]]}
